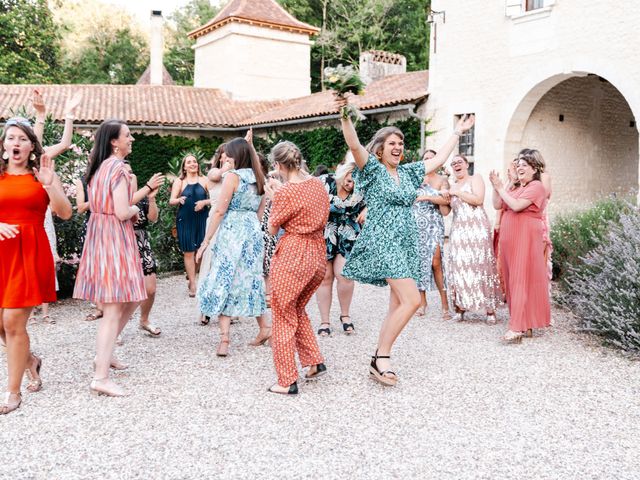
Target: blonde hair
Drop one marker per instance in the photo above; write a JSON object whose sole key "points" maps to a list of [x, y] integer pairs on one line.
{"points": [[345, 168], [377, 142], [183, 170], [288, 155]]}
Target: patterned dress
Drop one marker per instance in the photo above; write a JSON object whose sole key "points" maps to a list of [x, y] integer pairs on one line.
{"points": [[270, 241], [387, 246], [27, 275], [234, 286], [149, 265], [430, 235], [342, 228], [471, 264], [298, 267], [110, 269]]}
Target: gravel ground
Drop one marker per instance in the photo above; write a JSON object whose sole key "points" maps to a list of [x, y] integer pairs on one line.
{"points": [[466, 406]]}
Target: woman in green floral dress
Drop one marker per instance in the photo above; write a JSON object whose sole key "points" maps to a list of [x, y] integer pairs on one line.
{"points": [[386, 250]]}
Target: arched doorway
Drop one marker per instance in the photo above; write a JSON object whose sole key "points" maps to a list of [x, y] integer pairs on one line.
{"points": [[587, 133]]}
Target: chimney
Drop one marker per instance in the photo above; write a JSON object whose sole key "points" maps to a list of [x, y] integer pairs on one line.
{"points": [[157, 48], [376, 64]]}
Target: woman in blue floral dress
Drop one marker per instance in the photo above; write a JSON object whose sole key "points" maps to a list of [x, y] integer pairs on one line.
{"points": [[386, 251], [347, 213], [234, 286], [431, 204]]}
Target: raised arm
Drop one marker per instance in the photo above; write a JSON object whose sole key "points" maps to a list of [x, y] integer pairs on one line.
{"points": [[152, 185], [67, 133], [496, 182], [41, 113], [515, 204], [360, 154], [464, 124]]}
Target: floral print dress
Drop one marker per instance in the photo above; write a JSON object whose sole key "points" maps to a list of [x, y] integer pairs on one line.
{"points": [[387, 246], [430, 235], [234, 285], [342, 228]]}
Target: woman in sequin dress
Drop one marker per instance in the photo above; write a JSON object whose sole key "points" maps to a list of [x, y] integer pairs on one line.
{"points": [[430, 207], [471, 266], [386, 251]]}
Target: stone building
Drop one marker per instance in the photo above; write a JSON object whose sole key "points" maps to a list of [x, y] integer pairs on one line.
{"points": [[557, 75]]}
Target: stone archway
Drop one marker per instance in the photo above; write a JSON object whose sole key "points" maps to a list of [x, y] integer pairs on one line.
{"points": [[587, 132]]}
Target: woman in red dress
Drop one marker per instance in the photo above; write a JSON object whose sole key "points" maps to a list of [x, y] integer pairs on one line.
{"points": [[522, 248], [301, 208], [28, 184]]}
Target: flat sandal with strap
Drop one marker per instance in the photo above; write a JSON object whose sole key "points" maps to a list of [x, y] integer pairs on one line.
{"points": [[378, 375]]}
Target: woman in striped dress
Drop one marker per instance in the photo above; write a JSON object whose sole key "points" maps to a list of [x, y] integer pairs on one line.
{"points": [[110, 270]]}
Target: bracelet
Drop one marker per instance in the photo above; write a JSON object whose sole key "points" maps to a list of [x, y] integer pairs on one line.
{"points": [[148, 186]]}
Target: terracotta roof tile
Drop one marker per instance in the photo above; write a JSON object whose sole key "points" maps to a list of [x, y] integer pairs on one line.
{"points": [[145, 78], [265, 12], [178, 106]]}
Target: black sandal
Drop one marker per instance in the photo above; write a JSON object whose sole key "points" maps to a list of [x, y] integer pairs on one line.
{"points": [[378, 375], [324, 332], [321, 369], [293, 389], [347, 327]]}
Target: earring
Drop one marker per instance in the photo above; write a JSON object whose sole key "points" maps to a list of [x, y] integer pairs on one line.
{"points": [[116, 150], [402, 157], [5, 155], [32, 157]]}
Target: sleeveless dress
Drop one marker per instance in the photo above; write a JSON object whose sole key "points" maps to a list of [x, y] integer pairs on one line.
{"points": [[149, 264], [387, 246], [524, 267], [342, 228], [192, 225], [27, 274], [430, 235], [473, 279], [110, 269], [205, 261], [234, 286]]}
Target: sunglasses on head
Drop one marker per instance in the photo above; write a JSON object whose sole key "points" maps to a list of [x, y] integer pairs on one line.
{"points": [[18, 121]]}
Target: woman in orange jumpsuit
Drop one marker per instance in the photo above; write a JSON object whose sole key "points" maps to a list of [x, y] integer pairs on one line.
{"points": [[301, 208]]}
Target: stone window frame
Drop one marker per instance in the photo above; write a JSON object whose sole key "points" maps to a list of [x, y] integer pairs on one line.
{"points": [[519, 10]]}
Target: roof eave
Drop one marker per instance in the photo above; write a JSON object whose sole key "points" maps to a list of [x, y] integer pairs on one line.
{"points": [[200, 31]]}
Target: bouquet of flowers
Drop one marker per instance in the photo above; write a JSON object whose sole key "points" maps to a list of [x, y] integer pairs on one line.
{"points": [[343, 80]]}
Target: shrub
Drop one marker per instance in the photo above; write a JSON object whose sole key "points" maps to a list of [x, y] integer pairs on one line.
{"points": [[604, 291], [575, 235]]}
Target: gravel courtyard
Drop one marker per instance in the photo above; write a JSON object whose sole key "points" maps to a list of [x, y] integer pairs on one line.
{"points": [[557, 406]]}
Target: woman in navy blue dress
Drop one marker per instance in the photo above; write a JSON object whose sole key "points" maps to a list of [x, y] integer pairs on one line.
{"points": [[189, 191]]}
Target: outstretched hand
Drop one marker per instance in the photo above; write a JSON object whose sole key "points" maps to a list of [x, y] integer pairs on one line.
{"points": [[465, 123], [72, 103], [46, 173], [38, 102], [249, 136]]}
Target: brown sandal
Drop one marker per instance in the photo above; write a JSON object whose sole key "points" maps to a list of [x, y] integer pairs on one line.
{"points": [[35, 382], [223, 347], [7, 407]]}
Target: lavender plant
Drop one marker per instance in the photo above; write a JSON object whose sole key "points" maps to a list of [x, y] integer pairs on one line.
{"points": [[604, 292]]}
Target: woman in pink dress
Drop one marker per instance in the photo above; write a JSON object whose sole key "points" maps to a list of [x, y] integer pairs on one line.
{"points": [[110, 270], [522, 248]]}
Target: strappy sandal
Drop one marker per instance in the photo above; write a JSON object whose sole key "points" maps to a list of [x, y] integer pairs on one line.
{"points": [[223, 347], [446, 315], [348, 328], [512, 337], [378, 375], [491, 319], [48, 319], [35, 382], [204, 320], [6, 406], [91, 316], [261, 339], [324, 332], [151, 329], [293, 389], [320, 370]]}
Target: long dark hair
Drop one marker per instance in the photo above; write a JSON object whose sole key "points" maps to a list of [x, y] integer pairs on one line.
{"points": [[245, 156], [28, 131], [183, 170], [102, 149]]}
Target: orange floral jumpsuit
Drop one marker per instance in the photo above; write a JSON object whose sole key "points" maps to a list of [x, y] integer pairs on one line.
{"points": [[297, 269]]}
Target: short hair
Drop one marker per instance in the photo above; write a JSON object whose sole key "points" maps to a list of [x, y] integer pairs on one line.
{"points": [[380, 137]]}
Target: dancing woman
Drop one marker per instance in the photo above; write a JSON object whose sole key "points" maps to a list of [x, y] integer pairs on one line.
{"points": [[431, 205], [234, 285], [110, 270], [301, 208], [28, 184], [190, 192], [386, 251], [346, 214]]}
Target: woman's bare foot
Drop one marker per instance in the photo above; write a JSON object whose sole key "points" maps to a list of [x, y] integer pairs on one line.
{"points": [[105, 386], [263, 337]]}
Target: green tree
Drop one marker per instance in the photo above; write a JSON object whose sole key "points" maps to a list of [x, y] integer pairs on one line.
{"points": [[349, 27], [29, 42], [110, 56], [179, 58]]}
